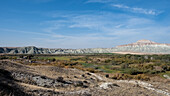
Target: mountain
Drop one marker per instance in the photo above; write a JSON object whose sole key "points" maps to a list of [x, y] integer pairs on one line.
{"points": [[141, 46], [35, 50], [145, 46]]}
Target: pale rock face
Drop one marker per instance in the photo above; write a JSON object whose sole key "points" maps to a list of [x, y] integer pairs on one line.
{"points": [[144, 42], [141, 46], [145, 46]]}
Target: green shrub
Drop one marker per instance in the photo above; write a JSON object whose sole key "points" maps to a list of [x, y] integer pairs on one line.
{"points": [[132, 71]]}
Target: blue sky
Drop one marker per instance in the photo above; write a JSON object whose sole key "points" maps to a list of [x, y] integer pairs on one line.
{"points": [[82, 23]]}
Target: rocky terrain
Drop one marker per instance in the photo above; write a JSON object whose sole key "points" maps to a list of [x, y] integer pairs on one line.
{"points": [[141, 46], [22, 80]]}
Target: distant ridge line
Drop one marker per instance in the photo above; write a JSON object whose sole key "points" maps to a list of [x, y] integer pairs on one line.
{"points": [[141, 47]]}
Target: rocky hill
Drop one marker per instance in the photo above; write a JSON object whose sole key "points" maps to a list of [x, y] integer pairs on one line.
{"points": [[141, 46], [145, 46]]}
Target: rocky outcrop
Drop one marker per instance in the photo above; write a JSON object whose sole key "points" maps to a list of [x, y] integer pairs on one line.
{"points": [[47, 82], [8, 87]]}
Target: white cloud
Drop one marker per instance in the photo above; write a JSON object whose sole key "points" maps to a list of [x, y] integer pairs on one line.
{"points": [[103, 27], [25, 32], [94, 30], [80, 41], [128, 8], [100, 23], [120, 6], [137, 10]]}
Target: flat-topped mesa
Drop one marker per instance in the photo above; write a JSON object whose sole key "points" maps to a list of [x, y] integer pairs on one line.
{"points": [[143, 42]]}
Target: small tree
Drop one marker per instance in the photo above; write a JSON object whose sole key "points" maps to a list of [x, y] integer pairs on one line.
{"points": [[53, 59]]}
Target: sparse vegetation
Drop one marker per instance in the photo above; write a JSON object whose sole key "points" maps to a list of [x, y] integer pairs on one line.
{"points": [[132, 66], [49, 73]]}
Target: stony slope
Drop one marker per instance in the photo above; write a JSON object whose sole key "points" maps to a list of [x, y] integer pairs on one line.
{"points": [[141, 46]]}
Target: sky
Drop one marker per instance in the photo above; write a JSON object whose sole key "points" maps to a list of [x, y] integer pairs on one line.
{"points": [[82, 23]]}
